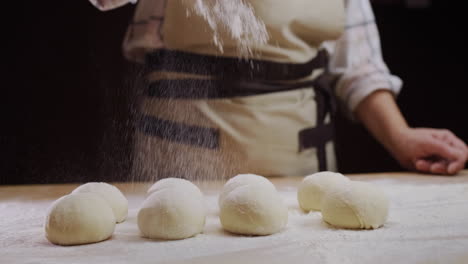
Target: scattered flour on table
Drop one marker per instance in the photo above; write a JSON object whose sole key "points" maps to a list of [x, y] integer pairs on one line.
{"points": [[426, 223]]}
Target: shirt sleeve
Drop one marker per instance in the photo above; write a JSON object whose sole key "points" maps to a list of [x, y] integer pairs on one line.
{"points": [[356, 58]]}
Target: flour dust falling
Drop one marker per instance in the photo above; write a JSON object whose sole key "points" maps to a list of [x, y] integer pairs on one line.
{"points": [[156, 158], [236, 17]]}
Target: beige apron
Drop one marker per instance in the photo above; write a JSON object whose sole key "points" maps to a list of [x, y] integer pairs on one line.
{"points": [[189, 129]]}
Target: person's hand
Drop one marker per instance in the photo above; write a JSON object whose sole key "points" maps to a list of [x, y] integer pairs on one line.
{"points": [[105, 5], [428, 150]]}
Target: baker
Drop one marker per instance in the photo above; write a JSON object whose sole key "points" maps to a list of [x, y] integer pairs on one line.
{"points": [[208, 111]]}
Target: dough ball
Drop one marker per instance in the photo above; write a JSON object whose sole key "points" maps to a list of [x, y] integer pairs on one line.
{"points": [[355, 205], [80, 218], [242, 180], [173, 183], [110, 194], [252, 206], [313, 187], [172, 213]]}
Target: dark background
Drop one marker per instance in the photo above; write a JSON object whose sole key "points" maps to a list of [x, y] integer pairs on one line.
{"points": [[66, 104]]}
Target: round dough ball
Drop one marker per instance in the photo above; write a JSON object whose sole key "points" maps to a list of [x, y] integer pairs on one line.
{"points": [[80, 218], [172, 213], [253, 207], [242, 180], [313, 187], [110, 194], [173, 183], [355, 205]]}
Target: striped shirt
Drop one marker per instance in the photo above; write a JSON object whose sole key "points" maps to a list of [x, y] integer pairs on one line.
{"points": [[356, 57]]}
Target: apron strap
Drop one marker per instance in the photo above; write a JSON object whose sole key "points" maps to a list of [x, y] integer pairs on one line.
{"points": [[230, 67], [177, 132], [216, 89], [318, 136]]}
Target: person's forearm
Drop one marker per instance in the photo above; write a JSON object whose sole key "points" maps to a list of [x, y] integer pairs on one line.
{"points": [[380, 115]]}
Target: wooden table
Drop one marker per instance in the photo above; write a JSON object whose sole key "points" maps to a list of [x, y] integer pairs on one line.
{"points": [[428, 223]]}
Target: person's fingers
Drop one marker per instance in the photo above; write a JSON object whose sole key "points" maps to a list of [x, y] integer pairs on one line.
{"points": [[453, 141], [458, 143], [444, 150], [439, 167], [462, 148], [449, 137], [455, 166], [422, 165]]}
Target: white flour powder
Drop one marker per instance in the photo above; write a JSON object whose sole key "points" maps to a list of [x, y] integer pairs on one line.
{"points": [[236, 17]]}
